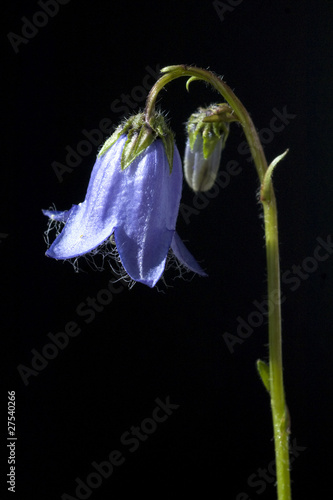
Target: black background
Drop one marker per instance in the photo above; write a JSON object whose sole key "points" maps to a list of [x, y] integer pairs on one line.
{"points": [[148, 344]]}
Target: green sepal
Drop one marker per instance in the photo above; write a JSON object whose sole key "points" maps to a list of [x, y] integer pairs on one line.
{"points": [[263, 370], [137, 142], [211, 134], [212, 123], [140, 135], [166, 135], [110, 141]]}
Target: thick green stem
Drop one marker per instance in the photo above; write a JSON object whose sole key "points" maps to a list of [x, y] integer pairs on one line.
{"points": [[276, 390]]}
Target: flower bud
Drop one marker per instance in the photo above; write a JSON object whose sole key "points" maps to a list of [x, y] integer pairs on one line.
{"points": [[207, 131]]}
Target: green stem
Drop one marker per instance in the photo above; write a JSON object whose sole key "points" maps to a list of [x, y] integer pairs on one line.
{"points": [[173, 72], [276, 390]]}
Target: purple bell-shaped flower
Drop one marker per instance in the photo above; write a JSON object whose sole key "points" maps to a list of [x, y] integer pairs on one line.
{"points": [[133, 197]]}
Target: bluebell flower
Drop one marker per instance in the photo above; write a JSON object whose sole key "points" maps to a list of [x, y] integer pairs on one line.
{"points": [[134, 207]]}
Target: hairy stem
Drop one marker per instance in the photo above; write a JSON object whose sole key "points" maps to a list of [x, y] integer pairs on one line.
{"points": [[276, 390]]}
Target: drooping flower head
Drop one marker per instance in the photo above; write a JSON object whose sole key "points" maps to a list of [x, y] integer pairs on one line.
{"points": [[132, 200], [207, 131]]}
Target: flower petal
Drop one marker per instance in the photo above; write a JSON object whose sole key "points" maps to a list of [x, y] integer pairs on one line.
{"points": [[58, 215], [184, 256], [149, 219], [143, 262], [201, 172], [90, 223]]}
